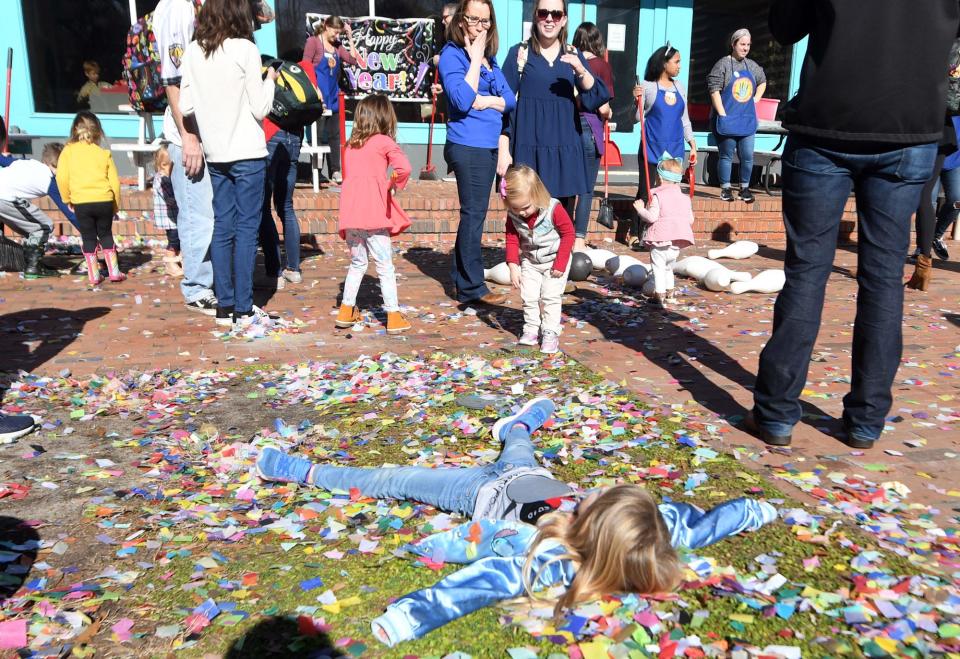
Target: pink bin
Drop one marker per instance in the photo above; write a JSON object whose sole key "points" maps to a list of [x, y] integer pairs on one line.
{"points": [[767, 109]]}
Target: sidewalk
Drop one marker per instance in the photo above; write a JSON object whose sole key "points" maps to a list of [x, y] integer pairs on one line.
{"points": [[702, 356]]}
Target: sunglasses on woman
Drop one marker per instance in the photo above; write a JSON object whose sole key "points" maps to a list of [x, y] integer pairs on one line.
{"points": [[555, 14]]}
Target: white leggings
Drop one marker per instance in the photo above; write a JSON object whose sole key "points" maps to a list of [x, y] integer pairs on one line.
{"points": [[376, 244], [662, 260]]}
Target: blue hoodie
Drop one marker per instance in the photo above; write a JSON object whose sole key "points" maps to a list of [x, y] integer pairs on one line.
{"points": [[495, 552]]}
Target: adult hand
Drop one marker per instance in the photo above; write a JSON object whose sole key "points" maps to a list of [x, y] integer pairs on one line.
{"points": [[481, 102], [347, 30], [504, 160], [574, 61], [693, 153], [271, 74], [515, 275], [637, 91], [477, 47], [436, 89], [192, 155], [556, 274]]}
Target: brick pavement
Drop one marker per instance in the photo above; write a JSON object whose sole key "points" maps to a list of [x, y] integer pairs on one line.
{"points": [[701, 356]]}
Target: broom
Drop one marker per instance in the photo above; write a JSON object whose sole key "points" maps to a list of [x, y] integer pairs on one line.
{"points": [[6, 113], [429, 172]]}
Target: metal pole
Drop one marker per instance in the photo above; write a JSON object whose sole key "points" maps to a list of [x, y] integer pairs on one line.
{"points": [[6, 111], [133, 12]]}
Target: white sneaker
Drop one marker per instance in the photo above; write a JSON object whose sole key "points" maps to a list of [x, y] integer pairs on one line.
{"points": [[550, 343], [292, 276], [528, 338]]}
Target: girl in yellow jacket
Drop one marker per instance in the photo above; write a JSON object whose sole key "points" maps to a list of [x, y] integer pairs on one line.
{"points": [[87, 177]]}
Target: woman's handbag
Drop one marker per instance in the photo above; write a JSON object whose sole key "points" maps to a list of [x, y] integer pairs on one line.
{"points": [[605, 216]]}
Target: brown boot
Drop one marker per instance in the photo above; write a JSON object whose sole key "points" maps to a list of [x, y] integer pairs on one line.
{"points": [[921, 274], [348, 316], [397, 322]]}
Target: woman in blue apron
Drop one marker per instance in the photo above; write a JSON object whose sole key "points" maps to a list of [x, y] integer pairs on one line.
{"points": [[736, 83], [330, 61], [666, 121]]}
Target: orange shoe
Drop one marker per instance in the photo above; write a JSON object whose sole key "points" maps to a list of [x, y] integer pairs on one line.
{"points": [[397, 322], [348, 316]]}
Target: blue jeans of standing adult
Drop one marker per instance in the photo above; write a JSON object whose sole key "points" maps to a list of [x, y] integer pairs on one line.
{"points": [[582, 217], [744, 148], [947, 215], [816, 184], [448, 488], [237, 205], [475, 169], [281, 179], [195, 226]]}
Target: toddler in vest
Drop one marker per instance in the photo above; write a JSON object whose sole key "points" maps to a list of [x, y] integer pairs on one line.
{"points": [[670, 216], [540, 237]]}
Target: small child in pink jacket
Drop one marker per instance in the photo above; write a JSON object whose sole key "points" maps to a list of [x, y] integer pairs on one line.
{"points": [[369, 215], [670, 216]]}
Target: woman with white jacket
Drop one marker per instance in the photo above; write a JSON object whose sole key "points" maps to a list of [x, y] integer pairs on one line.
{"points": [[225, 92]]}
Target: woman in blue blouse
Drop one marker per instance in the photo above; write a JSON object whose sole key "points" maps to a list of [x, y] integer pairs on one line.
{"points": [[477, 97], [544, 130]]}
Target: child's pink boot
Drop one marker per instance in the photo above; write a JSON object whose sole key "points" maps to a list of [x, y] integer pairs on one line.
{"points": [[113, 264], [93, 268]]}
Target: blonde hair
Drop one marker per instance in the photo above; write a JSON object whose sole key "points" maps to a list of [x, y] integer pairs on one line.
{"points": [[373, 115], [522, 182], [161, 159], [86, 128], [619, 544], [671, 165], [90, 66]]}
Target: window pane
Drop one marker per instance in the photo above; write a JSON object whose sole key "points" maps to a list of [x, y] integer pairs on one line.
{"points": [[713, 23], [292, 21], [88, 31], [409, 8]]}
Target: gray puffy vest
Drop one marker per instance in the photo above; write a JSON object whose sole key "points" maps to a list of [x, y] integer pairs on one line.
{"points": [[541, 243]]}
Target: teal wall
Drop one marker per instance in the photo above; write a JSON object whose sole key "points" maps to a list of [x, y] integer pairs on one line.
{"points": [[660, 20]]}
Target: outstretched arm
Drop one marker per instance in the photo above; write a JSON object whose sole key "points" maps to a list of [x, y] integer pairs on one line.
{"points": [[692, 528]]}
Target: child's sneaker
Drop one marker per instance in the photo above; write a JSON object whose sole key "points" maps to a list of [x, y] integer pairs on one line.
{"points": [[293, 276], [275, 465], [550, 343], [533, 414], [530, 337], [14, 426], [348, 316], [397, 322]]}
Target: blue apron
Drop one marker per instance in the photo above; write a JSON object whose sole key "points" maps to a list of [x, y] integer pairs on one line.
{"points": [[664, 125], [737, 98], [328, 79]]}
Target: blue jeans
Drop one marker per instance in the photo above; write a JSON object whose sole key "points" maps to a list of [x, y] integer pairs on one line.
{"points": [[744, 147], [237, 205], [816, 185], [447, 488], [475, 169], [281, 179], [947, 215], [195, 226], [581, 219]]}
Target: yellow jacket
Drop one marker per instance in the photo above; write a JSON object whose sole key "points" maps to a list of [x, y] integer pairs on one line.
{"points": [[86, 174]]}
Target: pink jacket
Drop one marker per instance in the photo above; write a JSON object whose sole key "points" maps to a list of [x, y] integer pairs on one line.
{"points": [[366, 199], [670, 216]]}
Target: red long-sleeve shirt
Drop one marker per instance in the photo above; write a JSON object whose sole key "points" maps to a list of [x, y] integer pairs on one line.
{"points": [[564, 226]]}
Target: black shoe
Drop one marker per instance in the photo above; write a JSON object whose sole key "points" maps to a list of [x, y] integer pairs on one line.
{"points": [[206, 305], [746, 196], [14, 426], [225, 316], [636, 245], [940, 249], [751, 426], [726, 194], [854, 440]]}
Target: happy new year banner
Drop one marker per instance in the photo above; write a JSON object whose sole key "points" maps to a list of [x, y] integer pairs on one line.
{"points": [[394, 56]]}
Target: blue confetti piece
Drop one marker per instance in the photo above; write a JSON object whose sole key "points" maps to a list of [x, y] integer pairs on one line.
{"points": [[311, 584]]}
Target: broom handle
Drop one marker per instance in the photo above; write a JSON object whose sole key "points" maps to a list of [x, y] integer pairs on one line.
{"points": [[606, 158], [6, 112], [342, 112], [643, 142], [433, 116]]}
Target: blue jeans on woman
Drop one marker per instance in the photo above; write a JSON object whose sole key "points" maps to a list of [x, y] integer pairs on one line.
{"points": [[475, 169], [195, 225], [816, 184], [582, 217], [237, 207], [947, 215], [281, 179], [744, 148], [447, 488]]}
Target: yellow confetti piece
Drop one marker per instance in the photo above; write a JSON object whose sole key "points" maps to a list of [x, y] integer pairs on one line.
{"points": [[594, 650], [742, 617]]}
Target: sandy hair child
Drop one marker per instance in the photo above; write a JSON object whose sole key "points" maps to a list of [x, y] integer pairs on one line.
{"points": [[91, 71], [540, 237], [369, 215], [670, 216], [527, 532], [165, 210], [88, 181]]}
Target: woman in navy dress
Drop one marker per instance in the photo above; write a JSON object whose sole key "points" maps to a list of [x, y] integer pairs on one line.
{"points": [[544, 129], [666, 121]]}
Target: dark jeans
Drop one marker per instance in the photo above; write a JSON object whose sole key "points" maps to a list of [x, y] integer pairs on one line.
{"points": [[173, 240], [744, 148], [927, 210], [582, 219], [816, 185], [475, 169], [328, 132], [281, 178], [947, 215], [237, 207], [96, 225]]}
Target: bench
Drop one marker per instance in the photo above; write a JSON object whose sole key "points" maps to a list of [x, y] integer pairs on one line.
{"points": [[763, 159], [316, 151], [142, 151]]}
